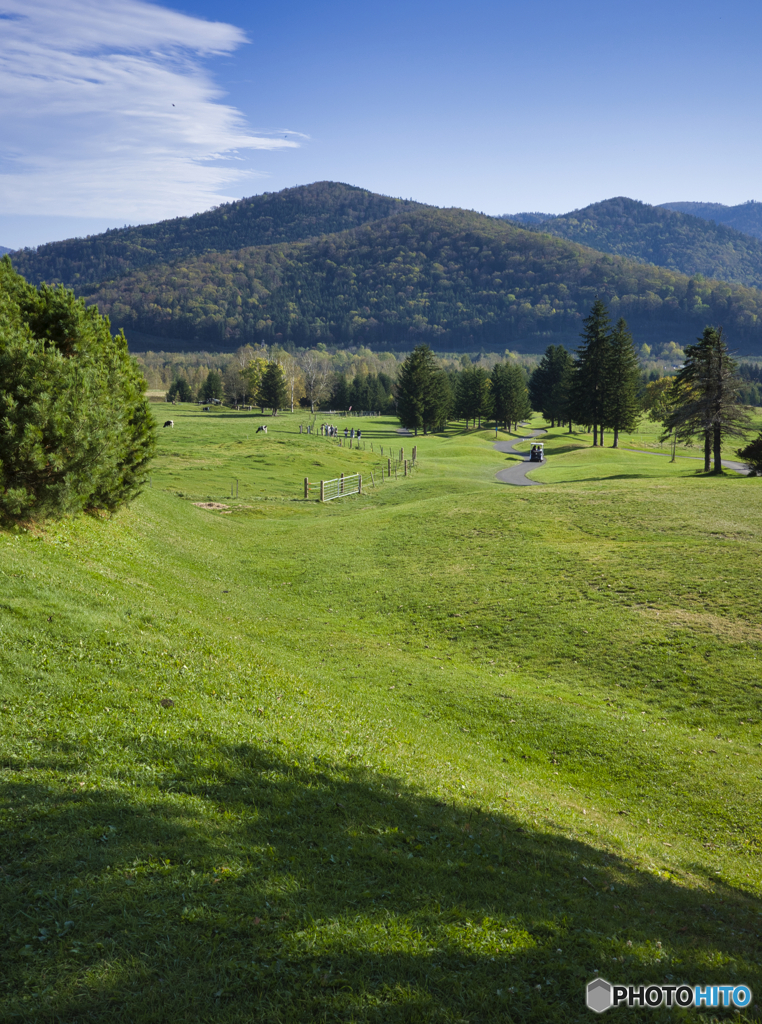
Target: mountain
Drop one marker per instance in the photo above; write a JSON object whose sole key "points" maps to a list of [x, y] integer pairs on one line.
{"points": [[746, 217], [288, 216], [654, 234], [454, 278], [4, 250], [527, 218]]}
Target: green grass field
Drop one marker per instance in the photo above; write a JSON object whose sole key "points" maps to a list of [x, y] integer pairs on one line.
{"points": [[440, 752]]}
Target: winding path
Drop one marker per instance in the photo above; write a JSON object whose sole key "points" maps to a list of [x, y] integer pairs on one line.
{"points": [[517, 473]]}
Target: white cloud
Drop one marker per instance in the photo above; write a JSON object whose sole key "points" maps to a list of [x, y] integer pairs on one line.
{"points": [[86, 115]]}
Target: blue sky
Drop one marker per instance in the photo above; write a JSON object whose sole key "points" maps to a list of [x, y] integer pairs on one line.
{"points": [[499, 107]]}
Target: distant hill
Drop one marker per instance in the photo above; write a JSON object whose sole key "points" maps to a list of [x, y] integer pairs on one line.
{"points": [[4, 250], [450, 277], [662, 236], [527, 218], [746, 217], [288, 216]]}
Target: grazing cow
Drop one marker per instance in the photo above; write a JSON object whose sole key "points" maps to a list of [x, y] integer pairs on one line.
{"points": [[169, 423], [205, 409], [262, 429]]}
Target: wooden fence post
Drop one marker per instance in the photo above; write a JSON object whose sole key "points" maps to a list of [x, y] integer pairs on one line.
{"points": [[306, 487], [405, 467], [359, 483], [322, 490], [388, 467], [341, 491], [415, 452]]}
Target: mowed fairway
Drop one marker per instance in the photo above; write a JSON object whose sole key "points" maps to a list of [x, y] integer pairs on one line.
{"points": [[441, 752]]}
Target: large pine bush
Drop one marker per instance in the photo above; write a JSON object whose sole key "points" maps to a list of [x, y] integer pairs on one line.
{"points": [[76, 432]]}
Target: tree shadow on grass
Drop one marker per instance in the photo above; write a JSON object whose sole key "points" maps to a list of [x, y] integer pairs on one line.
{"points": [[232, 883]]}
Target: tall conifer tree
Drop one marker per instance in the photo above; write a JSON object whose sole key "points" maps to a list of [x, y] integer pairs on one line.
{"points": [[423, 392], [273, 392], [592, 366], [622, 403], [550, 385], [705, 397]]}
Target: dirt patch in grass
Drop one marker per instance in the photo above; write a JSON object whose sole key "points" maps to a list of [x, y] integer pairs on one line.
{"points": [[213, 506], [737, 632]]}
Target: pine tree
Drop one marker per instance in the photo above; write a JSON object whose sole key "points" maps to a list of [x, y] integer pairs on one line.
{"points": [[500, 387], [273, 392], [423, 392], [340, 393], [705, 397], [623, 383], [76, 431], [212, 387], [591, 373], [551, 383]]}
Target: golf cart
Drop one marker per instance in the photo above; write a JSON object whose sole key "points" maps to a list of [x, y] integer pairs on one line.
{"points": [[536, 454]]}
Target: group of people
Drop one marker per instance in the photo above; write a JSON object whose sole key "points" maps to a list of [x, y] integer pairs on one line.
{"points": [[328, 430]]}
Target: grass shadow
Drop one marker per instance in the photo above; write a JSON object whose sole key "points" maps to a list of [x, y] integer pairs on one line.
{"points": [[236, 884]]}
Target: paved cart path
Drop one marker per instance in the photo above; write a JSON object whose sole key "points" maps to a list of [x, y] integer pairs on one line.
{"points": [[517, 473], [739, 467]]}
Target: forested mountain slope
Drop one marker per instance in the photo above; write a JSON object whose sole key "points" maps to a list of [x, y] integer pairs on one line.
{"points": [[288, 216], [449, 277], [662, 236], [746, 217], [4, 249]]}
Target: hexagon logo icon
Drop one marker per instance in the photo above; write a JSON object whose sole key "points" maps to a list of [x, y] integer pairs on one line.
{"points": [[598, 995]]}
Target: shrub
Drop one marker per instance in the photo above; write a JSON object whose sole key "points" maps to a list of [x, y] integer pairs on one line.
{"points": [[752, 456], [76, 432]]}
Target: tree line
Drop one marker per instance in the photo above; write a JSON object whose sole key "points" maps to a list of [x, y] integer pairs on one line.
{"points": [[600, 387]]}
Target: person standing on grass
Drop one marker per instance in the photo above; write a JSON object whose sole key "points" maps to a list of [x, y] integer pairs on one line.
{"points": [[359, 434]]}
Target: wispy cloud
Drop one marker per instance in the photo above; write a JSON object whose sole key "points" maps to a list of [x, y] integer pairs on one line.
{"points": [[87, 121]]}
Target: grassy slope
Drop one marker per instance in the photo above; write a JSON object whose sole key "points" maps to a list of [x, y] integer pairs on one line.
{"points": [[438, 753]]}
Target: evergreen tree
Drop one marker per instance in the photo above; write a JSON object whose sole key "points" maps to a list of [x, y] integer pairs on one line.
{"points": [[473, 398], [212, 387], [752, 456], [423, 392], [519, 406], [623, 384], [501, 400], [273, 392], [704, 397], [180, 391], [340, 393], [589, 391], [551, 383], [76, 431]]}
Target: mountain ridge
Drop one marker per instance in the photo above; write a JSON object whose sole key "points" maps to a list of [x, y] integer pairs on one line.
{"points": [[662, 236], [745, 217], [305, 211], [450, 277]]}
